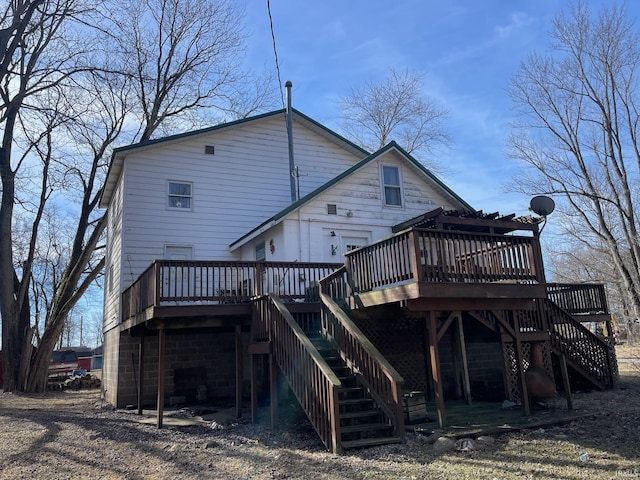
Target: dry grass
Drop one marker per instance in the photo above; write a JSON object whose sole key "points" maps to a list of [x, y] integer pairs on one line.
{"points": [[71, 435]]}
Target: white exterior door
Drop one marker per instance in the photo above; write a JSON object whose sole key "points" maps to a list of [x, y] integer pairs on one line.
{"points": [[176, 279], [351, 243]]}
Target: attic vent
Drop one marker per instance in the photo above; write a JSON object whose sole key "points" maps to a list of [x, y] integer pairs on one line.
{"points": [[332, 209], [209, 150]]}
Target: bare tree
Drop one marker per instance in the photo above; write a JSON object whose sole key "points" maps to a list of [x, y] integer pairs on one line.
{"points": [[183, 57], [68, 100], [38, 54], [577, 131], [395, 109]]}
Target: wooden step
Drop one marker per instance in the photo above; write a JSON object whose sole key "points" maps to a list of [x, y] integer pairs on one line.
{"points": [[335, 360], [364, 427], [370, 442], [354, 401], [341, 371], [360, 414], [351, 392]]}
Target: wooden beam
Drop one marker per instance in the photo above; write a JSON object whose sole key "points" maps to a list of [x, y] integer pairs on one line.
{"points": [[161, 345], [505, 325], [565, 381], [254, 388], [446, 324], [197, 322], [448, 304], [465, 366], [239, 367], [436, 376], [140, 373], [494, 290], [273, 390]]}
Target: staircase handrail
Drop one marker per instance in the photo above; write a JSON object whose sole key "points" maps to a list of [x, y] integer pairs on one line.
{"points": [[309, 375], [381, 379], [589, 362]]}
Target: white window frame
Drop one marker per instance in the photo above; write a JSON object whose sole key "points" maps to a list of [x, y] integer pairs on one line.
{"points": [[385, 186], [169, 195]]}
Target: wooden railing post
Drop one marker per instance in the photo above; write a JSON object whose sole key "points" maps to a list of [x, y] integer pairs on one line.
{"points": [[414, 255], [257, 280], [157, 287], [537, 260]]}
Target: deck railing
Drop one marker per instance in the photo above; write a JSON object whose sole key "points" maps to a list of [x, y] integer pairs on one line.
{"points": [[212, 282], [311, 379], [381, 379], [578, 299], [426, 255]]}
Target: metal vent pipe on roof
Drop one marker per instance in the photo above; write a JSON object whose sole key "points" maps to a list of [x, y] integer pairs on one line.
{"points": [[292, 166]]}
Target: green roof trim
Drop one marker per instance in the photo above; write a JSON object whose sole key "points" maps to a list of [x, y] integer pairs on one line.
{"points": [[298, 203]]}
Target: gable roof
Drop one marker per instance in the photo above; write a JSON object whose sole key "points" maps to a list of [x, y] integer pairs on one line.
{"points": [[118, 156], [307, 198]]}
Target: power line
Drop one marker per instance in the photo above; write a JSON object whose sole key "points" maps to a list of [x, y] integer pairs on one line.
{"points": [[275, 52]]}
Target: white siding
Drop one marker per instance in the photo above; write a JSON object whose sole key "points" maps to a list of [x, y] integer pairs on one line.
{"points": [[361, 211], [113, 263], [244, 183]]}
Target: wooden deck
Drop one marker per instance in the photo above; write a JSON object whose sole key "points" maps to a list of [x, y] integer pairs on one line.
{"points": [[489, 418], [498, 278], [183, 294]]}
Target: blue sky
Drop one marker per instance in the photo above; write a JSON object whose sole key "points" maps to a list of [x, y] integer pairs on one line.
{"points": [[468, 49]]}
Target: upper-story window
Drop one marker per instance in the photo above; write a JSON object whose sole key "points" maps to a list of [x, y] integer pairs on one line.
{"points": [[392, 186], [260, 252], [180, 195]]}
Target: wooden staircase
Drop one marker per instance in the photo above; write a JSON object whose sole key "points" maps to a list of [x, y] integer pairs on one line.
{"points": [[349, 406], [588, 354], [362, 422]]}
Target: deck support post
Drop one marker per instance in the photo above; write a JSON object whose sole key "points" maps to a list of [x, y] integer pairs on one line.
{"points": [[465, 366], [565, 381], [517, 343], [273, 390], [254, 388], [161, 345], [239, 367], [140, 373], [436, 376]]}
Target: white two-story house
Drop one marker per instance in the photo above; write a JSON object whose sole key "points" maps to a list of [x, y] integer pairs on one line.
{"points": [[203, 225]]}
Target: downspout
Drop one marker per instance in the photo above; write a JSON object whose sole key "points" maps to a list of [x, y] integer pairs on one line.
{"points": [[292, 166]]}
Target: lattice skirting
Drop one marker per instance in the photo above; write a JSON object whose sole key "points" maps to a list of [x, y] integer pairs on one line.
{"points": [[401, 342], [511, 366]]}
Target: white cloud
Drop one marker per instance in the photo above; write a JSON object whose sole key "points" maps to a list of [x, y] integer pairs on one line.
{"points": [[518, 21]]}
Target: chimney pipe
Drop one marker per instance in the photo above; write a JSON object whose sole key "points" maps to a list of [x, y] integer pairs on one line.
{"points": [[292, 166]]}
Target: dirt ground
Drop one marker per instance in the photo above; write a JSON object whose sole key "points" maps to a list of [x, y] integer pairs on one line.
{"points": [[73, 434]]}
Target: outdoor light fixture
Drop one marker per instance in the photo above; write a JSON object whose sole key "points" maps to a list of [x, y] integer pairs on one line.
{"points": [[543, 206]]}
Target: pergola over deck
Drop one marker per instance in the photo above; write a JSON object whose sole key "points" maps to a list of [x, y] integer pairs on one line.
{"points": [[469, 258]]}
